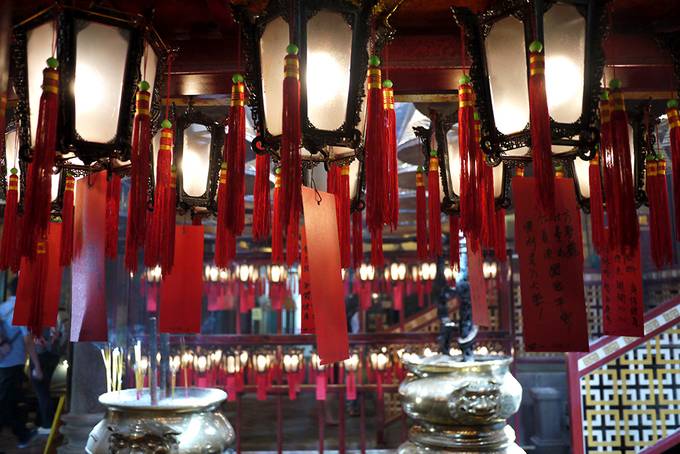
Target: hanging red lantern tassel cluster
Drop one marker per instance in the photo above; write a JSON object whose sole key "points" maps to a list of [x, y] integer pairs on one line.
{"points": [[485, 174], [454, 241], [357, 239], [261, 204], [277, 227], [9, 256], [391, 154], [37, 201], [225, 244], [541, 141], [674, 133], [113, 189], [377, 174], [499, 247], [234, 154], [622, 217], [67, 215], [434, 207], [291, 163], [159, 241], [661, 241], [470, 192], [421, 216], [139, 178], [596, 205]]}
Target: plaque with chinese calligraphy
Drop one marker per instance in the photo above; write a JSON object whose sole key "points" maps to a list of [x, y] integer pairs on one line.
{"points": [[551, 268], [305, 290], [622, 312]]}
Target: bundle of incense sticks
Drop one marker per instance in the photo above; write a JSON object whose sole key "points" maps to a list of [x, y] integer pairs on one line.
{"points": [[113, 363], [174, 367]]}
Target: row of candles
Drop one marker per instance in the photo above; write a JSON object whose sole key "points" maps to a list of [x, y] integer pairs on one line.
{"points": [[235, 369]]}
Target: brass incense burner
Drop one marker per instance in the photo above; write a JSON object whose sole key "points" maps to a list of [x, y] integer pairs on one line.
{"points": [[190, 422], [460, 406]]}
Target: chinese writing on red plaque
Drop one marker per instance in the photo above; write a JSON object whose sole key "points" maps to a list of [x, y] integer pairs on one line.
{"points": [[306, 290], [622, 294], [551, 269]]}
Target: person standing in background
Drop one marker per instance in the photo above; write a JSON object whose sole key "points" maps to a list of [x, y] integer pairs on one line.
{"points": [[48, 350], [15, 344]]}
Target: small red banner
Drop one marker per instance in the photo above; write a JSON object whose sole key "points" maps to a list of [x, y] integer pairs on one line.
{"points": [[480, 307], [551, 268], [622, 294], [182, 289], [325, 278]]}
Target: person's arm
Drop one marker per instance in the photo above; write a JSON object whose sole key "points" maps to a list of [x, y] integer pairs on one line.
{"points": [[33, 355]]}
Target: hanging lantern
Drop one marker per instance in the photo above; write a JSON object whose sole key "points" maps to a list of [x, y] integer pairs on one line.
{"points": [[498, 42], [102, 57]]}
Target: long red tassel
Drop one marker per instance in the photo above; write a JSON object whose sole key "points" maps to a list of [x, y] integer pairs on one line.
{"points": [[454, 241], [541, 141], [291, 163], [341, 191], [171, 213], [139, 178], [375, 160], [377, 255], [158, 240], [434, 207], [293, 241], [223, 236], [596, 204], [624, 229], [112, 213], [470, 194], [8, 247], [674, 125], [357, 239], [261, 204], [659, 217], [67, 214], [390, 116], [37, 201], [421, 216], [234, 155], [485, 183], [38, 276], [277, 225], [499, 248]]}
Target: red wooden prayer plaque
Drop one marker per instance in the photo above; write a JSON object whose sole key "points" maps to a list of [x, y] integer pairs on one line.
{"points": [[182, 289], [622, 309], [325, 278], [305, 290], [480, 307], [551, 268]]}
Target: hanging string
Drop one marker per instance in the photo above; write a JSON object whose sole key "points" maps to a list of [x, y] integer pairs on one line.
{"points": [[54, 38], [238, 48], [171, 57], [462, 49]]}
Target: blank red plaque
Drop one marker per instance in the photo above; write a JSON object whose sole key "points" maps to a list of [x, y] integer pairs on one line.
{"points": [[551, 268], [88, 283], [480, 307], [325, 278], [182, 290]]}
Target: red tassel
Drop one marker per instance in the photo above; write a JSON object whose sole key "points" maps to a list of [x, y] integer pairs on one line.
{"points": [[375, 158], [171, 213], [470, 193], [38, 198], [277, 225], [159, 241], [112, 212], [9, 257], [139, 178], [225, 244], [421, 216], [500, 250], [357, 239], [377, 256], [541, 141], [67, 214], [434, 207], [454, 241], [37, 274], [485, 172], [659, 217], [338, 184], [624, 229], [292, 242], [234, 155], [674, 125], [261, 204], [596, 205], [392, 216], [291, 163]]}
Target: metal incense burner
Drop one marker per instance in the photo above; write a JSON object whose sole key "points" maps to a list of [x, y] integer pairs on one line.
{"points": [[190, 422]]}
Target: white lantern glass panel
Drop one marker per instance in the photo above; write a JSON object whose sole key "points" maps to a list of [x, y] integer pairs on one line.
{"points": [[498, 172], [11, 155], [581, 171], [453, 172], [101, 55], [54, 188], [38, 50], [329, 53], [148, 66], [506, 63], [565, 47], [272, 53], [196, 160]]}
